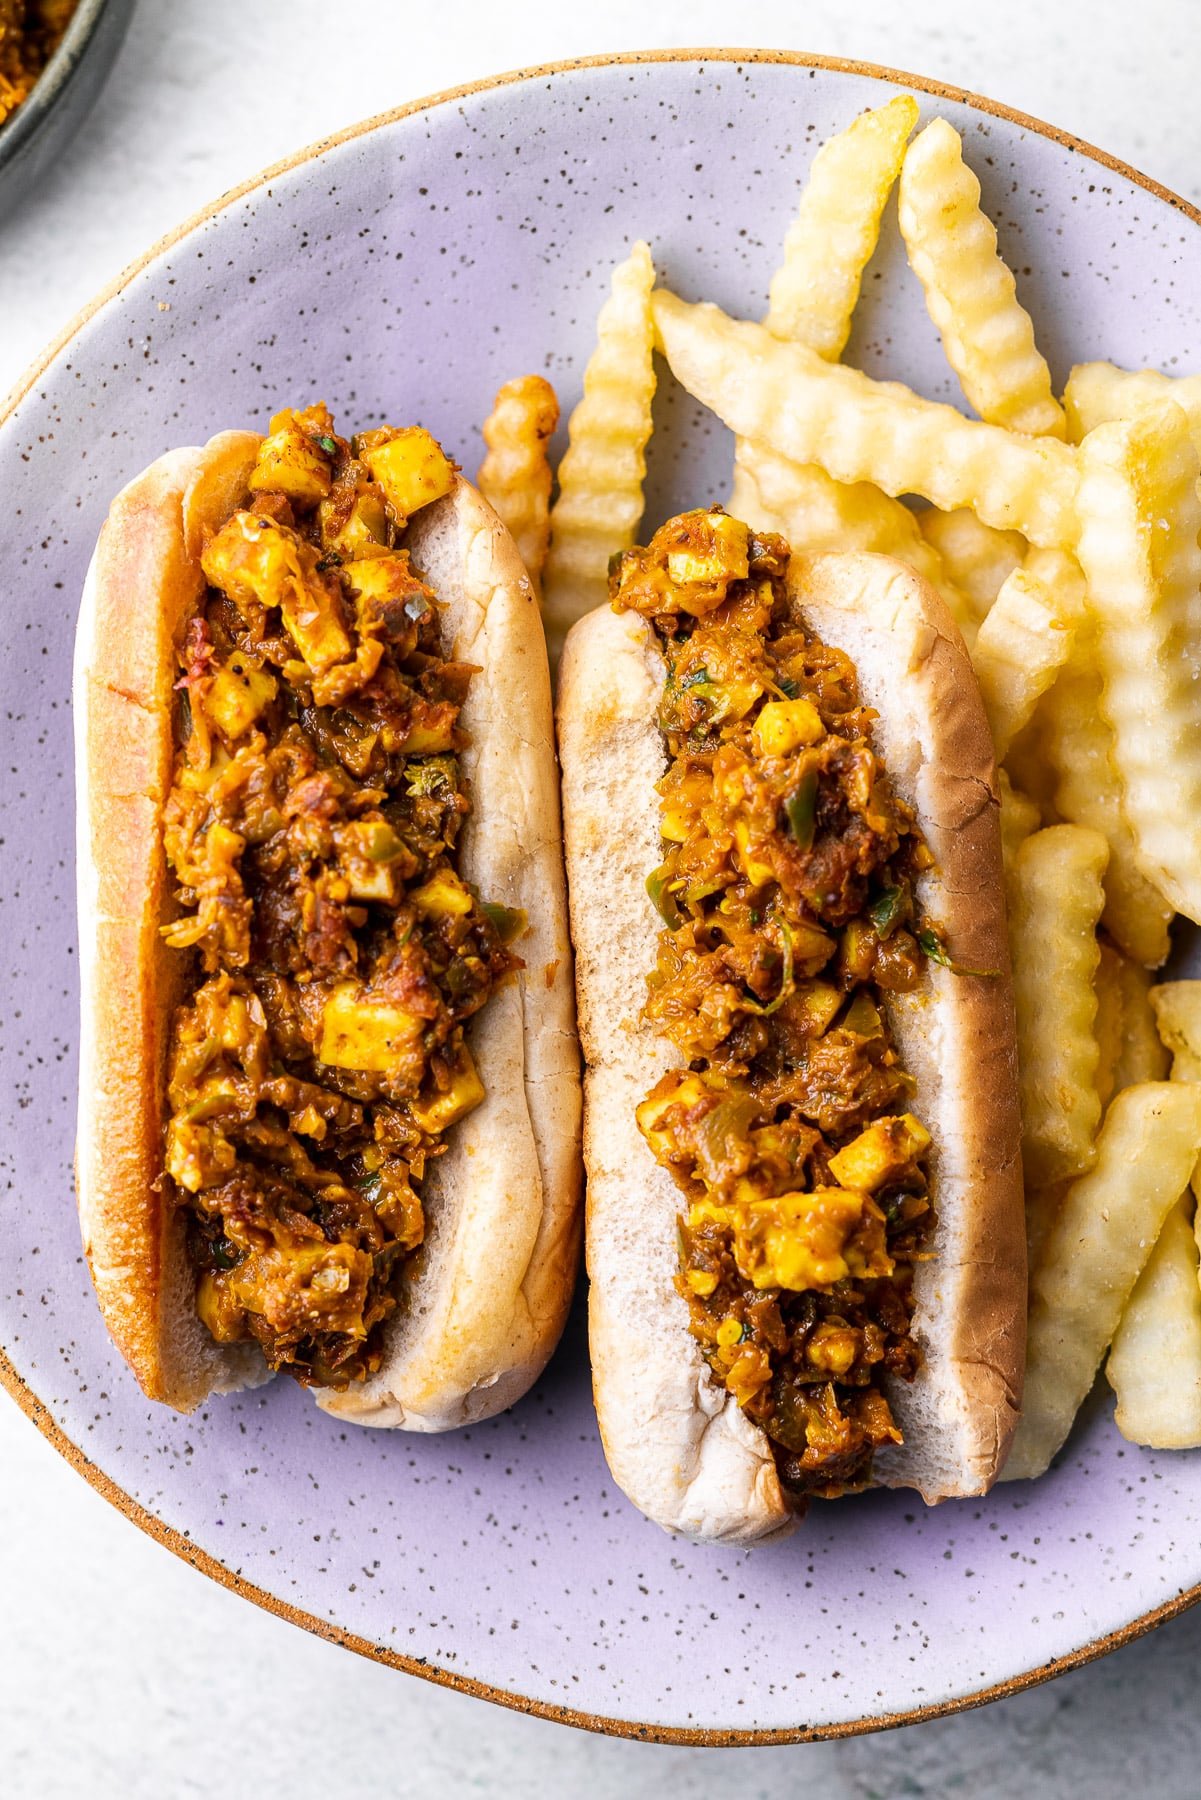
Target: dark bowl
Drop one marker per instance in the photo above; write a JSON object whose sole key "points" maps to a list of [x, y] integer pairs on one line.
{"points": [[62, 98]]}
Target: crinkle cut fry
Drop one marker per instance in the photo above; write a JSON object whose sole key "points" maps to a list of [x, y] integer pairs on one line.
{"points": [[970, 291], [1140, 517], [864, 430], [515, 476], [602, 471], [1093, 1255], [1057, 900], [833, 236]]}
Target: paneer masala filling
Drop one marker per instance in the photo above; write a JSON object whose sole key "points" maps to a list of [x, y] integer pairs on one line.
{"points": [[336, 952], [787, 892]]}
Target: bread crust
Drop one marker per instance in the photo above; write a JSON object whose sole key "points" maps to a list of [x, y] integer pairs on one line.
{"points": [[680, 1447], [469, 1339]]}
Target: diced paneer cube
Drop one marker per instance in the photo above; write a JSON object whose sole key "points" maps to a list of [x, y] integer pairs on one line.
{"points": [[239, 692], [748, 1373], [811, 1008], [361, 531], [291, 462], [411, 469], [885, 1150], [212, 1097], [368, 851], [677, 1089], [309, 1286], [443, 896], [360, 1032], [863, 1016], [731, 697], [437, 1112], [785, 725], [801, 1240], [811, 949], [389, 599], [259, 563], [218, 852], [198, 1153], [857, 952], [432, 735], [312, 623], [713, 551], [832, 1348], [757, 872], [805, 1240]]}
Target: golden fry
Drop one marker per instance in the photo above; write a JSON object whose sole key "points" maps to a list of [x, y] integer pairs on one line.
{"points": [[1026, 761], [813, 296], [785, 396], [1059, 571], [1177, 1009], [831, 240], [1019, 818], [602, 471], [1139, 522], [1098, 392], [1107, 1027], [1057, 901], [515, 477], [1094, 1253], [1078, 745], [1043, 1207], [1141, 1053], [816, 513], [1126, 1029], [970, 292], [1154, 1367], [1020, 648], [1161, 1326], [976, 558]]}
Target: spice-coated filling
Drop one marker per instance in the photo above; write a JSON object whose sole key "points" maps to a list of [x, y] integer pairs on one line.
{"points": [[337, 953], [30, 33], [787, 891]]}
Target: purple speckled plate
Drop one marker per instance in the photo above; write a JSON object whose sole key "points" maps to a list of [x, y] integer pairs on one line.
{"points": [[404, 271]]}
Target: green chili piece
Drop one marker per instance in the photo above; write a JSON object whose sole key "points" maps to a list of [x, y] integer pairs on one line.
{"points": [[887, 910], [382, 843], [662, 898], [696, 891], [933, 947], [432, 775], [510, 921], [787, 983], [863, 1017], [801, 808]]}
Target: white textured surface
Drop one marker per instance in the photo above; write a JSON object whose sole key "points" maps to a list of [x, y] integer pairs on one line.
{"points": [[121, 1671]]}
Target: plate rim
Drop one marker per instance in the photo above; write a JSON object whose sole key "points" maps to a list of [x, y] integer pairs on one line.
{"points": [[36, 1410]]}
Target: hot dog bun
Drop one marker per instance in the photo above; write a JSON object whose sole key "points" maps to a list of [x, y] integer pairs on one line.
{"points": [[677, 1443], [490, 1289]]}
